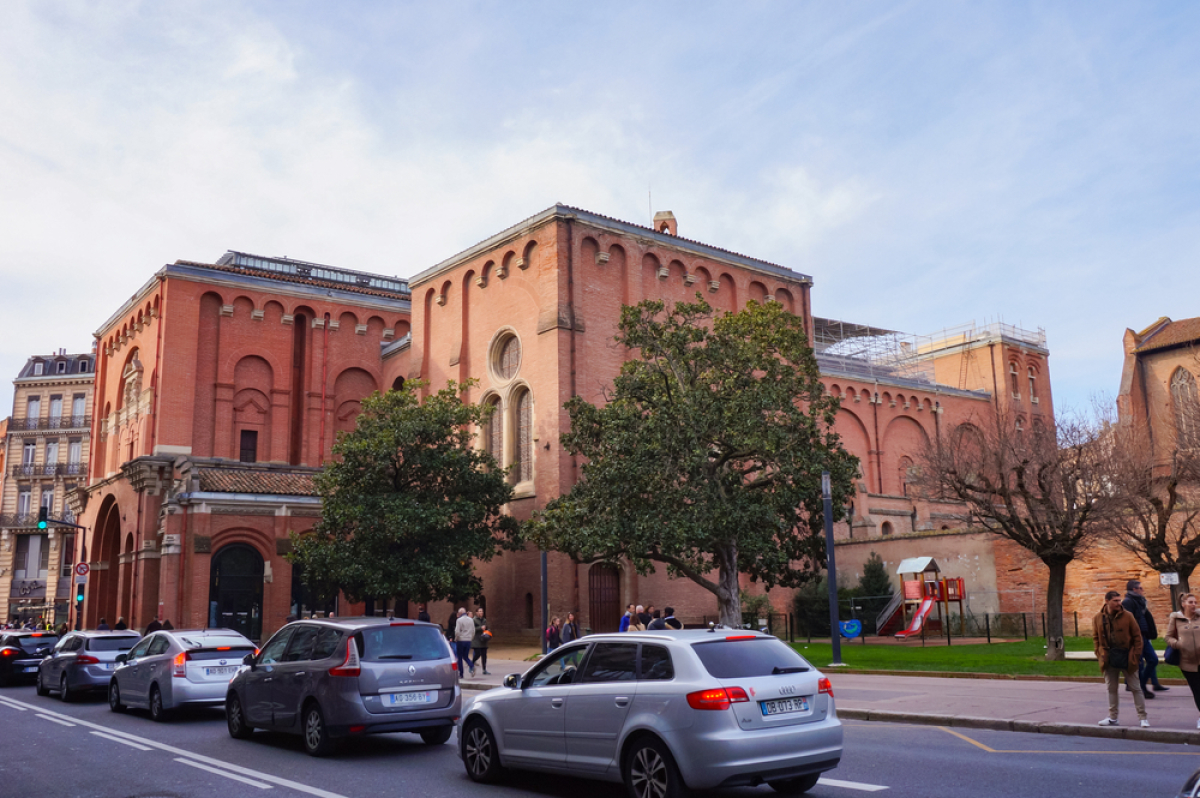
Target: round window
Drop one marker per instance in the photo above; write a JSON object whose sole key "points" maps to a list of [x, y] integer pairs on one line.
{"points": [[508, 357]]}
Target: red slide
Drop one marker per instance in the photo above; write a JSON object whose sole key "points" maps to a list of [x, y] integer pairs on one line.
{"points": [[919, 619]]}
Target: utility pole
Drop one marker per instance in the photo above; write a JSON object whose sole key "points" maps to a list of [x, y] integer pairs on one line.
{"points": [[835, 636]]}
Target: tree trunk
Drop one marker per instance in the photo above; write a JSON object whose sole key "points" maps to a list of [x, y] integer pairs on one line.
{"points": [[729, 600], [1054, 611]]}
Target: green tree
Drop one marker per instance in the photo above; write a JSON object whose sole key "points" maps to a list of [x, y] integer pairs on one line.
{"points": [[874, 588], [409, 503], [708, 455]]}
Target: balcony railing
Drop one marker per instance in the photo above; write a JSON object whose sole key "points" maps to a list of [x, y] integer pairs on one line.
{"points": [[23, 520], [51, 470], [54, 422]]}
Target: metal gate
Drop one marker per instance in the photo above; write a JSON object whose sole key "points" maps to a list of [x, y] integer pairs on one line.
{"points": [[604, 597]]}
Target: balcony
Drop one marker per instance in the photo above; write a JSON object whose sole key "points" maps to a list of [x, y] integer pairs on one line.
{"points": [[51, 470], [30, 520], [54, 422]]}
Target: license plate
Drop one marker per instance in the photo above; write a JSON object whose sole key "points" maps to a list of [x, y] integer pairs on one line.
{"points": [[404, 699], [784, 706], [108, 666], [30, 669], [223, 671]]}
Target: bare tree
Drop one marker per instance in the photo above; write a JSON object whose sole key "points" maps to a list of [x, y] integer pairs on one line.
{"points": [[1040, 487], [1156, 489]]}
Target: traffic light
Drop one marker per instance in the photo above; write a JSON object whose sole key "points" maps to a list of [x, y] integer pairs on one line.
{"points": [[43, 517], [79, 593]]}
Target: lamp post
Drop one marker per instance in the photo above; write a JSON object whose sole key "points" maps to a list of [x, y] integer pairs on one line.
{"points": [[831, 565]]}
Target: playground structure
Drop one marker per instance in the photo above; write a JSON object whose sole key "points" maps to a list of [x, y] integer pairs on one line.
{"points": [[918, 597]]}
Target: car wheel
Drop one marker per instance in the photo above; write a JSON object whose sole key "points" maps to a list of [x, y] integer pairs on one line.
{"points": [[316, 735], [650, 771], [795, 786], [480, 753], [158, 713], [437, 736], [64, 690], [235, 718], [42, 689], [114, 697]]}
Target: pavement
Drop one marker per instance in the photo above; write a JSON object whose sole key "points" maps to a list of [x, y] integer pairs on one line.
{"points": [[1041, 705]]}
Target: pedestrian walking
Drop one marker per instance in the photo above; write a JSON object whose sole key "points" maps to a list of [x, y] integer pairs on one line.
{"points": [[450, 626], [153, 626], [479, 643], [626, 618], [121, 625], [553, 636], [570, 629], [1135, 602], [1118, 642], [464, 631], [423, 614], [167, 625], [103, 626], [669, 619], [1183, 635]]}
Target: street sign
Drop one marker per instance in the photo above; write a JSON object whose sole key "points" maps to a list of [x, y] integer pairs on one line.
{"points": [[852, 628], [81, 569], [1168, 579], [81, 579]]}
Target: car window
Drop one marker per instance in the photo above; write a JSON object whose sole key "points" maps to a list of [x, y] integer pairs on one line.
{"points": [[115, 643], [76, 644], [611, 662], [301, 646], [158, 645], [560, 667], [327, 640], [403, 641], [64, 644], [656, 664], [140, 649], [744, 656], [33, 644], [273, 651]]}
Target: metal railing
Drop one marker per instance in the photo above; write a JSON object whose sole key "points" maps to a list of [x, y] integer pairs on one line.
{"points": [[53, 422], [48, 470]]}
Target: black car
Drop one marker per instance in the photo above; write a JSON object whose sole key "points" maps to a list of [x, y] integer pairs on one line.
{"points": [[21, 652]]}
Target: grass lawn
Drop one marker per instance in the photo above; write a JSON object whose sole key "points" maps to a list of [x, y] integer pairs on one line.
{"points": [[1021, 658]]}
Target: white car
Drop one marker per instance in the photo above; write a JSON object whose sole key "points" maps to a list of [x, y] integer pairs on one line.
{"points": [[170, 669]]}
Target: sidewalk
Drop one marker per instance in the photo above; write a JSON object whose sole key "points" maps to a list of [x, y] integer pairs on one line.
{"points": [[1024, 705]]}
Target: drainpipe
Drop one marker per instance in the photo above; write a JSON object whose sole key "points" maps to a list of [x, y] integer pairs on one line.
{"points": [[157, 362], [182, 574], [324, 378], [878, 452]]}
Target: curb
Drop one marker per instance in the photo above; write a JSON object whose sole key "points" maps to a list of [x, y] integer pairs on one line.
{"points": [[829, 670], [1175, 736]]}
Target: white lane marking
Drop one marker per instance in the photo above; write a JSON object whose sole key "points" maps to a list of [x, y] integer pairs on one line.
{"points": [[224, 773], [53, 720], [7, 703], [294, 785], [122, 742], [851, 785]]}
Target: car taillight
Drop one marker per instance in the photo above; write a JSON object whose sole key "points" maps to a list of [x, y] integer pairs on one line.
{"points": [[717, 698], [87, 659], [454, 666], [351, 665], [180, 669], [825, 686], [8, 652]]}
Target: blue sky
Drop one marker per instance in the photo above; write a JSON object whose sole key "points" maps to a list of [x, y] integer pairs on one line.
{"points": [[929, 164]]}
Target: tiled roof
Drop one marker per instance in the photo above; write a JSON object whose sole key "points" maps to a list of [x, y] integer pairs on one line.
{"points": [[239, 480], [1172, 334], [291, 278]]}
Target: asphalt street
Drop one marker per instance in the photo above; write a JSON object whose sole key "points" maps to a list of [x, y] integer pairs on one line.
{"points": [[82, 749]]}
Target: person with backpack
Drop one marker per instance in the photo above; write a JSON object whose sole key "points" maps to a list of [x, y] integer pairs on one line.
{"points": [[553, 634]]}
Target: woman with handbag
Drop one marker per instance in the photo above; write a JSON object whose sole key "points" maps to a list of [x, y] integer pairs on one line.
{"points": [[1183, 635], [1118, 642]]}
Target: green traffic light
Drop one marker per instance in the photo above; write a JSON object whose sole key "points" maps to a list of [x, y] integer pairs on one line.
{"points": [[43, 517]]}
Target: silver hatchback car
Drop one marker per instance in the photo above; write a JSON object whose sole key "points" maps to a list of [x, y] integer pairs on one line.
{"points": [[171, 669], [336, 678], [83, 661], [662, 712]]}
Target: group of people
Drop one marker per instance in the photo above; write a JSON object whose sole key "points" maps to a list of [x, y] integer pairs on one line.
{"points": [[1122, 632], [639, 619], [470, 634]]}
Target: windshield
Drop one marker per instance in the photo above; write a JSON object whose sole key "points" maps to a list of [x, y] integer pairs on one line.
{"points": [[743, 657], [32, 644], [415, 643], [112, 643]]}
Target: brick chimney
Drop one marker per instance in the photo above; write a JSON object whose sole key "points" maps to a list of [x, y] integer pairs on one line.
{"points": [[664, 222]]}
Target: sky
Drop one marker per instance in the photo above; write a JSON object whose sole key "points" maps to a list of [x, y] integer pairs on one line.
{"points": [[928, 164]]}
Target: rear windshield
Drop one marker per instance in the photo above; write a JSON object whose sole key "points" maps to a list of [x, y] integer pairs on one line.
{"points": [[408, 643], [740, 659], [34, 644], [112, 643], [213, 641], [232, 653]]}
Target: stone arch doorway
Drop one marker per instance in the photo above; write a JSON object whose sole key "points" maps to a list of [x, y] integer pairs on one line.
{"points": [[604, 597], [103, 589], [235, 590]]}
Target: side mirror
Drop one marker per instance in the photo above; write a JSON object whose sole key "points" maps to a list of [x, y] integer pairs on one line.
{"points": [[248, 660], [122, 658], [513, 681]]}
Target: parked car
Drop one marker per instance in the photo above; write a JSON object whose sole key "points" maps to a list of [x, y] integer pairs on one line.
{"points": [[328, 679], [662, 712], [1191, 789], [82, 662], [20, 653], [171, 669]]}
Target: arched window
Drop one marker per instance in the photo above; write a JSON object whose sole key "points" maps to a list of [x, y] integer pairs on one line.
{"points": [[1032, 385], [522, 463], [887, 528], [1016, 385], [1187, 409], [493, 434]]}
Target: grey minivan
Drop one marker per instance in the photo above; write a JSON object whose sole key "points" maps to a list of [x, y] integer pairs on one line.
{"points": [[333, 678], [83, 661]]}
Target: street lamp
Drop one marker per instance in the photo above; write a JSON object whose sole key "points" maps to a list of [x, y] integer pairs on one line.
{"points": [[834, 631]]}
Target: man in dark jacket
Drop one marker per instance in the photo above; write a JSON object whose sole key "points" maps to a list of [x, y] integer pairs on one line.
{"points": [[1118, 642], [1135, 603]]}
